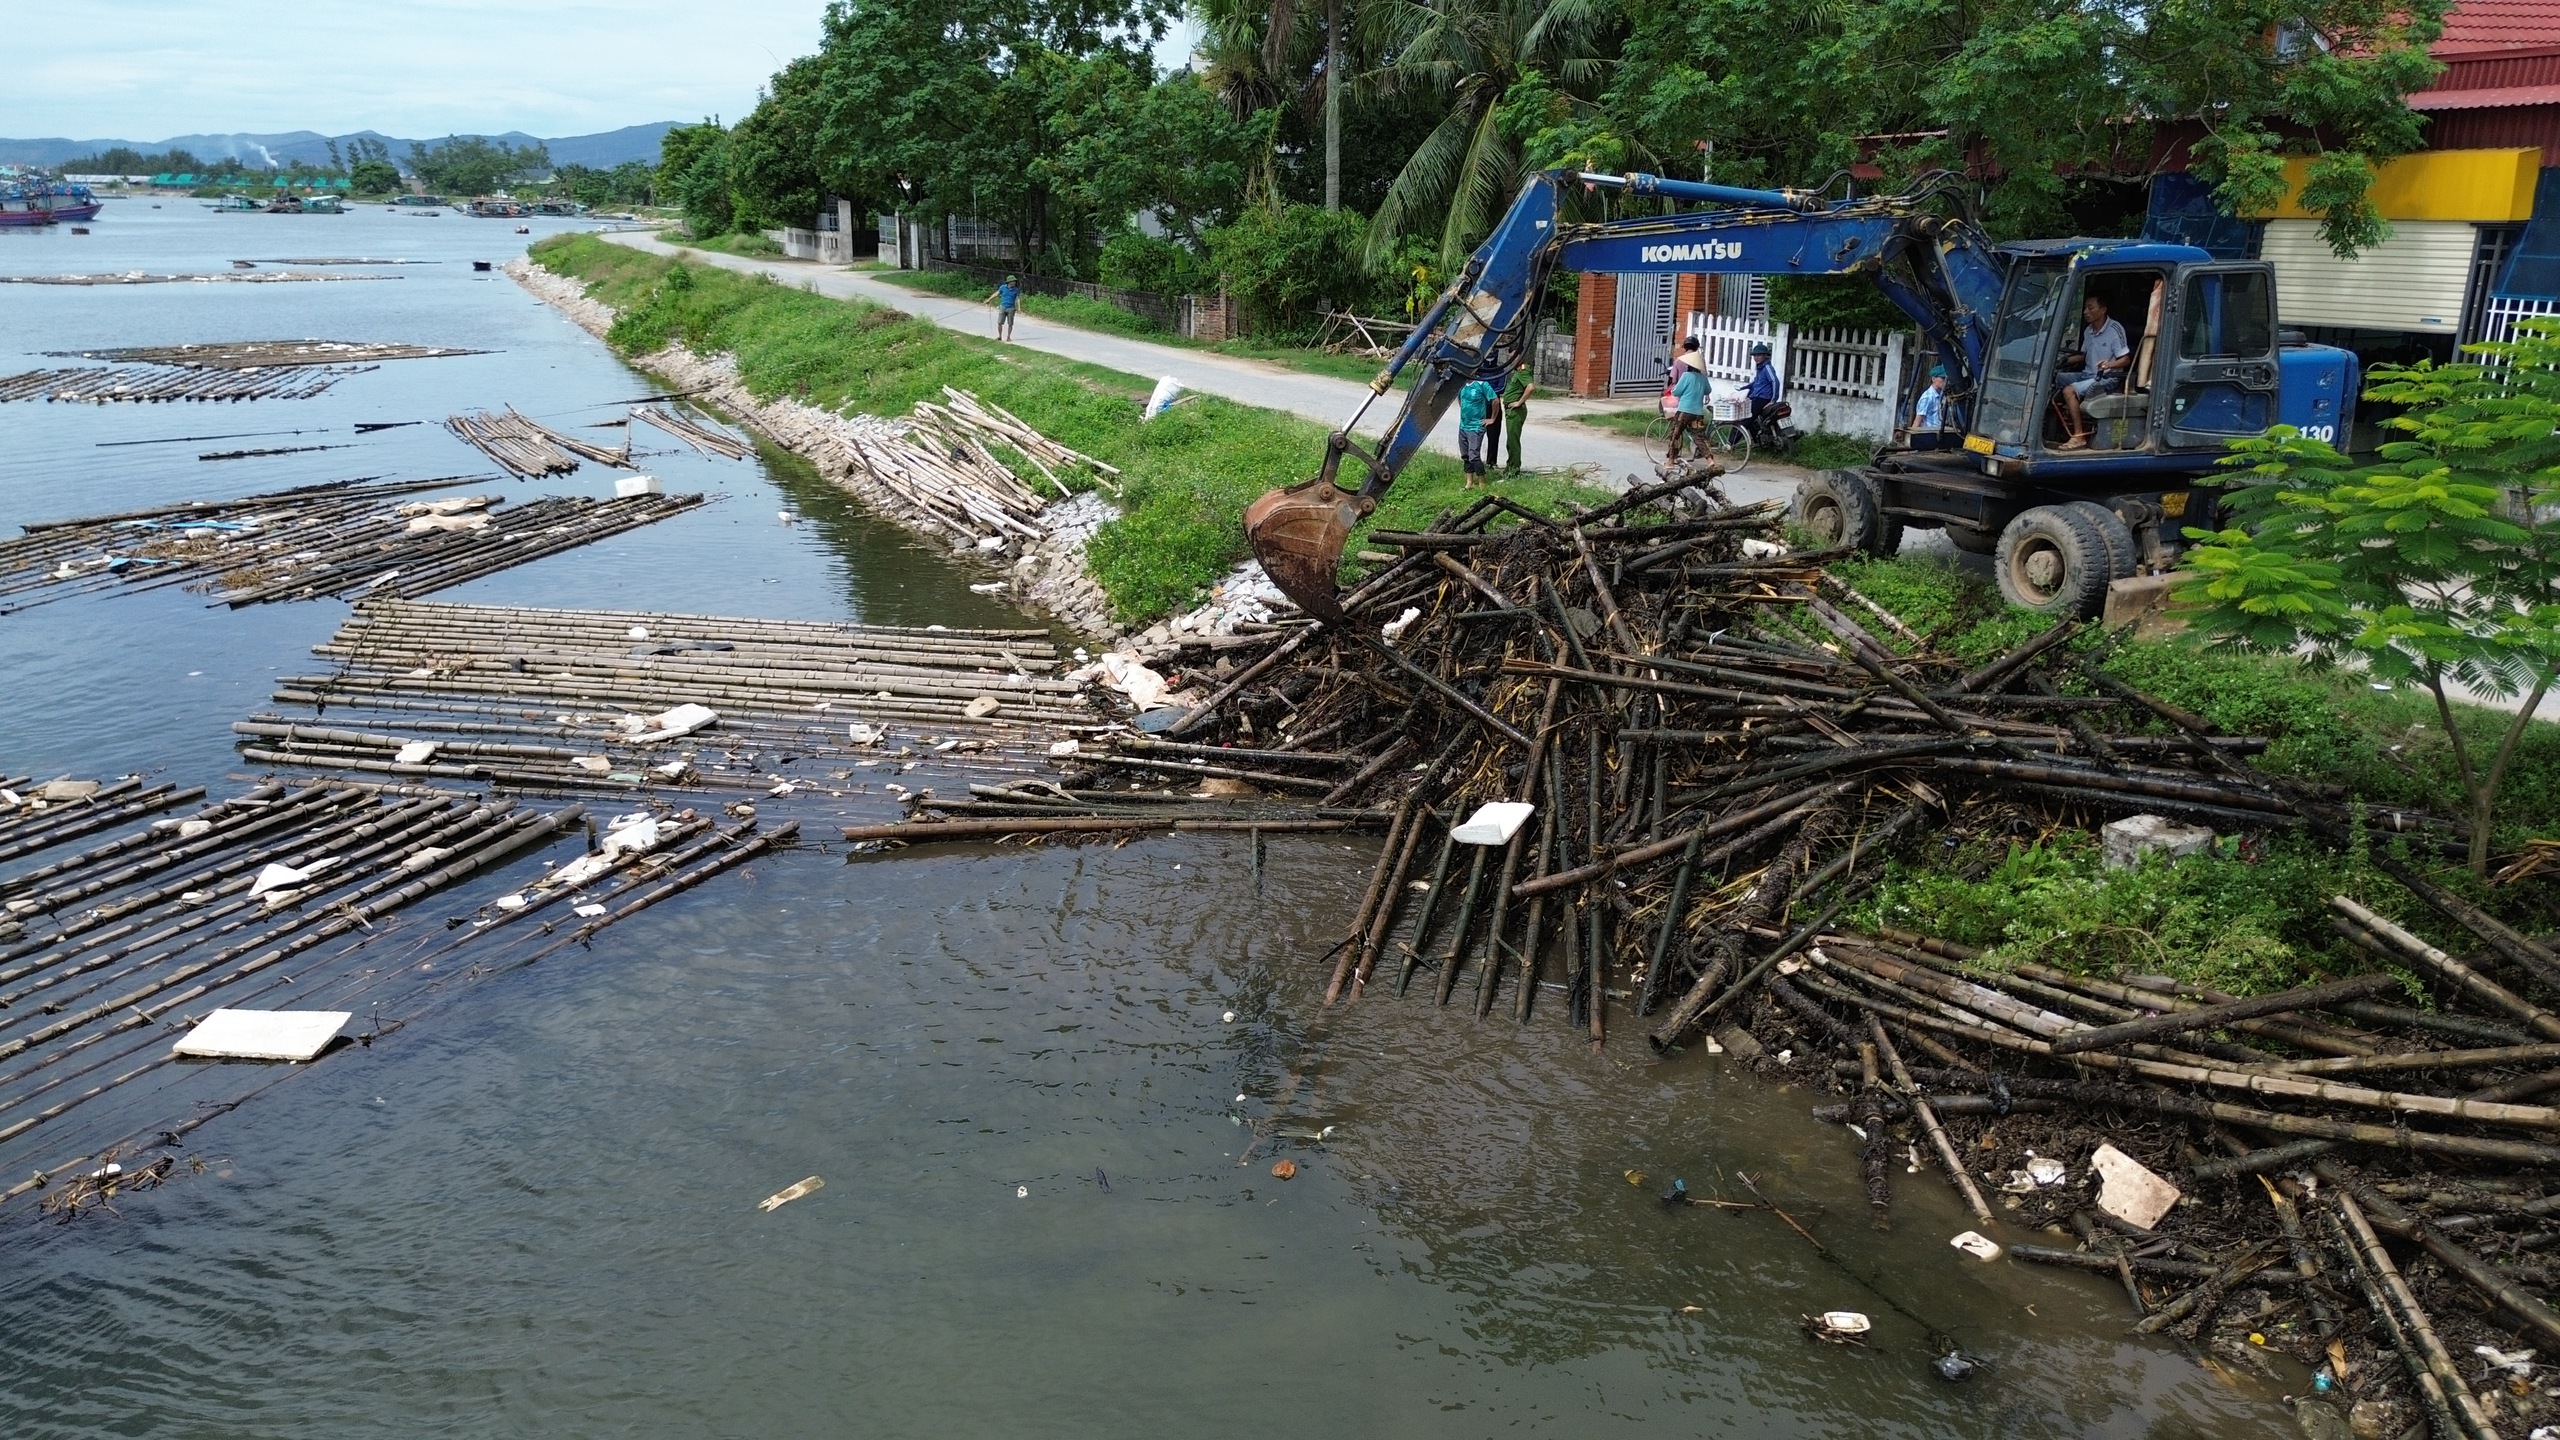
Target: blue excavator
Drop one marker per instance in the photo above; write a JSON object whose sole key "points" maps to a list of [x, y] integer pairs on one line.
{"points": [[2064, 521]]}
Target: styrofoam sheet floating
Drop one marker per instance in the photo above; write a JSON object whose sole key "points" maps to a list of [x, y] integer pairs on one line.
{"points": [[228, 1034], [1494, 823]]}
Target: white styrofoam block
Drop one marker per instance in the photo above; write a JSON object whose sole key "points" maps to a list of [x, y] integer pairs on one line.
{"points": [[1494, 823], [630, 485], [262, 1034]]}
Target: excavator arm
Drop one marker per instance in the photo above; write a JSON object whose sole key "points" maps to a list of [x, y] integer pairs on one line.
{"points": [[1937, 272]]}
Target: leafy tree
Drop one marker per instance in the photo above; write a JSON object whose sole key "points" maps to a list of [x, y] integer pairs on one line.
{"points": [[693, 174], [1169, 147], [773, 153], [1283, 263], [1470, 53], [474, 165], [373, 177], [2437, 565], [628, 183], [2033, 99]]}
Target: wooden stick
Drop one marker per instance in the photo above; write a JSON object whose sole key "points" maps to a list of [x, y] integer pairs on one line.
{"points": [[1920, 1106]]}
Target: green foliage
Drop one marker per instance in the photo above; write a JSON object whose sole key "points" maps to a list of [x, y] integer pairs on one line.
{"points": [[2245, 922], [1131, 261], [2034, 97], [373, 177], [1187, 474], [1831, 450], [1814, 302], [773, 153], [2437, 565], [1285, 265], [633, 182], [474, 165], [693, 174]]}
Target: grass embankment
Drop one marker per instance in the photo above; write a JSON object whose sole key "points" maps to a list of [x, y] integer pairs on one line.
{"points": [[753, 246], [2246, 921], [1087, 314], [1187, 475]]}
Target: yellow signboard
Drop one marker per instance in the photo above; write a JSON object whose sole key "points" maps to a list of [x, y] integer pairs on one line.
{"points": [[2482, 186]]}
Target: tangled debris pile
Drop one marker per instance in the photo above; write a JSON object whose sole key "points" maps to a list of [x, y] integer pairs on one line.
{"points": [[1655, 761]]}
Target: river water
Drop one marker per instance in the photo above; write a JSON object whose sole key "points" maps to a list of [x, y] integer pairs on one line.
{"points": [[1048, 1205]]}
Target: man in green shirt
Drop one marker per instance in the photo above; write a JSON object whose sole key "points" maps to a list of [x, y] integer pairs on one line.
{"points": [[1515, 413]]}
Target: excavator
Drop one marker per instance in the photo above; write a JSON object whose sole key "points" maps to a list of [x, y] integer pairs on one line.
{"points": [[2063, 522]]}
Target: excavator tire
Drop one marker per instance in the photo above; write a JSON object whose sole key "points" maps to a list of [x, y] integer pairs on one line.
{"points": [[2124, 556], [1841, 507], [2055, 559]]}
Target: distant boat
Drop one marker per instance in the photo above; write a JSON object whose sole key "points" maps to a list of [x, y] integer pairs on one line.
{"points": [[235, 205], [20, 208], [68, 202], [496, 209], [412, 202]]}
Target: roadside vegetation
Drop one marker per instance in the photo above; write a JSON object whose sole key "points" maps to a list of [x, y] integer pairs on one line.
{"points": [[1188, 474]]}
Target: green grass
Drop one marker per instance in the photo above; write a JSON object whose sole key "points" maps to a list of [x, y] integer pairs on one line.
{"points": [[2240, 922], [1831, 450], [1638, 422], [754, 246], [1187, 475]]}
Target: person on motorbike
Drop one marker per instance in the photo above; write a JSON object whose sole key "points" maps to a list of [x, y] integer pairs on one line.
{"points": [[1764, 393]]}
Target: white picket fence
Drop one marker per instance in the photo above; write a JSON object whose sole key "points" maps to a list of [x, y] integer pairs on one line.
{"points": [[1848, 381]]}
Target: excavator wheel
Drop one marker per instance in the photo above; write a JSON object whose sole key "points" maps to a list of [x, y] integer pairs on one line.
{"points": [[1841, 507], [2055, 559]]}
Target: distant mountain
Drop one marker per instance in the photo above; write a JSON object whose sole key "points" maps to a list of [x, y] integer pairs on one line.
{"points": [[310, 147]]}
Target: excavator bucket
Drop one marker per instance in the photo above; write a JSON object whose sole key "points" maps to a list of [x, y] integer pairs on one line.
{"points": [[1298, 533]]}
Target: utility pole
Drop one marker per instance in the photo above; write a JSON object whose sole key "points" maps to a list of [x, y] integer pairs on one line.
{"points": [[1332, 105]]}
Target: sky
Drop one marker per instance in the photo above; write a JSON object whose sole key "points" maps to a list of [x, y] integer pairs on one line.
{"points": [[149, 69]]}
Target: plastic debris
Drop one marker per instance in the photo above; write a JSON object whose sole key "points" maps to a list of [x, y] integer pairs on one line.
{"points": [[2514, 1362], [1228, 1018], [1394, 629], [1977, 1245], [1494, 823], [861, 734], [1021, 1192], [190, 829], [228, 1034], [981, 707], [588, 912], [276, 877], [511, 902], [991, 587], [1162, 397], [56, 791], [1840, 1327], [2130, 1191], [1955, 1365], [1284, 1170], [592, 764], [785, 1196], [1060, 750], [667, 724], [421, 859], [416, 752]]}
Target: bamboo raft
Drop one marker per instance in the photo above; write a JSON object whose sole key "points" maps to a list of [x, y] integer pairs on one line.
{"points": [[703, 438], [122, 929], [530, 450], [962, 467], [232, 277], [127, 384], [835, 716], [1723, 744], [261, 354], [340, 539]]}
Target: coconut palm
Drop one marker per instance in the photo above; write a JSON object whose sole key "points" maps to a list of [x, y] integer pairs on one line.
{"points": [[1473, 52]]}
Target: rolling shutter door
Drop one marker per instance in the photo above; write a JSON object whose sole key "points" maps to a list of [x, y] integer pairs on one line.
{"points": [[2413, 281]]}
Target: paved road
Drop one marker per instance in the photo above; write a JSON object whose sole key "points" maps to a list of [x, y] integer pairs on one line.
{"points": [[1550, 442]]}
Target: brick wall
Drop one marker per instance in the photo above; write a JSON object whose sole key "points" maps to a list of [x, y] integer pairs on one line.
{"points": [[1594, 323]]}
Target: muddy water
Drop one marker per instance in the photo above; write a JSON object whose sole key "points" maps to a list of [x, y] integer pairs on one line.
{"points": [[1048, 1204]]}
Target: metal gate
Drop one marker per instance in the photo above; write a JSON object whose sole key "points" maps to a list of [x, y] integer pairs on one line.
{"points": [[1641, 348]]}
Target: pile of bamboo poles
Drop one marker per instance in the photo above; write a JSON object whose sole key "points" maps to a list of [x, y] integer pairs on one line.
{"points": [[107, 385], [343, 539], [530, 450], [819, 714], [260, 354], [127, 929], [703, 438], [951, 466]]}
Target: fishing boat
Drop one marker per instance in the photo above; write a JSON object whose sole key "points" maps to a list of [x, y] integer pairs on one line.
{"points": [[496, 209], [19, 207], [235, 205], [67, 202], [322, 205]]}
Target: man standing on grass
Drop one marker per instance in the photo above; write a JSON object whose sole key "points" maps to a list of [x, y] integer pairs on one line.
{"points": [[1008, 298], [1475, 403], [1515, 414]]}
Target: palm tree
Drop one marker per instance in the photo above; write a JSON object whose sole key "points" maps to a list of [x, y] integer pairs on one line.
{"points": [[1473, 51], [1261, 54]]}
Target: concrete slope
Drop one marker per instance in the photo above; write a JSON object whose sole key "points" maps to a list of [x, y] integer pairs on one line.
{"points": [[1550, 441]]}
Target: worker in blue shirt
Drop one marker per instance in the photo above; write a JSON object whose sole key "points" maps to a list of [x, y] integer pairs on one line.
{"points": [[1475, 403], [1765, 389], [1929, 414], [1008, 298]]}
